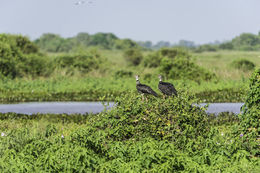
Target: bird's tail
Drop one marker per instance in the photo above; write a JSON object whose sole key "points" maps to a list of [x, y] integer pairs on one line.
{"points": [[154, 93]]}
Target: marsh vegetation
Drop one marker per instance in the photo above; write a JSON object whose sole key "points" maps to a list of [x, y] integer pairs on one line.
{"points": [[157, 135]]}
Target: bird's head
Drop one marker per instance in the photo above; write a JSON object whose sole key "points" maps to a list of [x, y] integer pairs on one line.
{"points": [[137, 77], [160, 77]]}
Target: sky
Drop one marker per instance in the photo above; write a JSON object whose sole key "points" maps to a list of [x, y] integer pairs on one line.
{"points": [[201, 21]]}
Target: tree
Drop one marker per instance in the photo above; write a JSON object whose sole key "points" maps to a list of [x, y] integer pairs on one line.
{"points": [[185, 43], [227, 45], [145, 44], [133, 56], [125, 44], [161, 44], [105, 40], [50, 42], [246, 41]]}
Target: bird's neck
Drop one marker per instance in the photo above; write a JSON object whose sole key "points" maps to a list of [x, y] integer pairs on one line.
{"points": [[160, 80], [137, 82]]}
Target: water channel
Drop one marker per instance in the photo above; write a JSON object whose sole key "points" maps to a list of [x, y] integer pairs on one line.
{"points": [[93, 107]]}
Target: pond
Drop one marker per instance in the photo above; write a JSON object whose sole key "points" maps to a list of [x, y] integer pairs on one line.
{"points": [[93, 107]]}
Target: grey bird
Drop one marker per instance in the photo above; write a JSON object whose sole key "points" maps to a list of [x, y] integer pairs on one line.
{"points": [[166, 88], [144, 89]]}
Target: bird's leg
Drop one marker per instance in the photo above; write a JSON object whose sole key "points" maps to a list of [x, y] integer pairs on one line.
{"points": [[142, 97]]}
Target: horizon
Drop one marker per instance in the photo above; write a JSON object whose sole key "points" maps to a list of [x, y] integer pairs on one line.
{"points": [[201, 22]]}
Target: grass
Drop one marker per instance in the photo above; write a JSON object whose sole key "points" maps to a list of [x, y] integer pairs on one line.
{"points": [[106, 88], [220, 62], [101, 84]]}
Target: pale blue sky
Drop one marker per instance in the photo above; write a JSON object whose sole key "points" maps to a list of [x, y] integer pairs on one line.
{"points": [[201, 21]]}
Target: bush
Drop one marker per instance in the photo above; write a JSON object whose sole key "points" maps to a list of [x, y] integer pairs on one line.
{"points": [[154, 59], [125, 44], [250, 119], [84, 62], [35, 65], [9, 57], [20, 42], [243, 64], [133, 56], [173, 119], [176, 63], [123, 73], [206, 47], [19, 57], [184, 69]]}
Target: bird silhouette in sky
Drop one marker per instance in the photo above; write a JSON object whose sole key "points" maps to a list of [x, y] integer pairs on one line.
{"points": [[83, 2]]}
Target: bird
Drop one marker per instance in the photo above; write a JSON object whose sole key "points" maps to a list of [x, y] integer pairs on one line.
{"points": [[79, 2], [144, 89], [166, 88], [83, 2]]}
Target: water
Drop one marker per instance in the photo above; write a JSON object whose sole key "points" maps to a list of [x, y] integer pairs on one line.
{"points": [[54, 107], [93, 107], [217, 108]]}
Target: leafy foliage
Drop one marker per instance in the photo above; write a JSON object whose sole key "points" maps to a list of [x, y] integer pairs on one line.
{"points": [[133, 56], [243, 64], [159, 135], [177, 64], [81, 62], [20, 57], [123, 73], [54, 43], [250, 119]]}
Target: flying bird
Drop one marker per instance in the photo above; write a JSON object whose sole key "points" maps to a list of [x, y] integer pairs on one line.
{"points": [[166, 88], [83, 2], [79, 2]]}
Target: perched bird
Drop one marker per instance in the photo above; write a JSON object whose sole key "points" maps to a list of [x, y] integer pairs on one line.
{"points": [[144, 89], [166, 88]]}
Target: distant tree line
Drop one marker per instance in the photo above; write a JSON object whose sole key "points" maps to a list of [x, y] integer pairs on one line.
{"points": [[55, 43], [244, 42], [165, 44]]}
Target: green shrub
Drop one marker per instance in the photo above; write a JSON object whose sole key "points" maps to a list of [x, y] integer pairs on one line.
{"points": [[250, 119], [176, 63], [25, 45], [133, 56], [243, 64], [125, 44], [81, 62], [184, 69], [21, 42], [35, 65], [123, 74], [9, 58], [206, 47], [154, 59], [50, 130], [19, 57], [174, 119]]}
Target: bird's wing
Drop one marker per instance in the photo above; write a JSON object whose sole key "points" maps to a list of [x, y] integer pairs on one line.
{"points": [[168, 88], [146, 89]]}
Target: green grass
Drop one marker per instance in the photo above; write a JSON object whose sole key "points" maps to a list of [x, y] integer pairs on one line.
{"points": [[106, 88], [220, 62]]}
